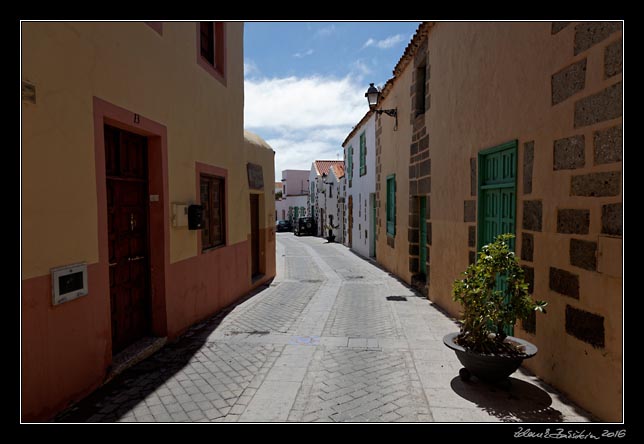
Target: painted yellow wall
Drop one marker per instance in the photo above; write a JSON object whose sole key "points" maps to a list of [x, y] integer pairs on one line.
{"points": [[129, 65], [491, 83], [394, 158]]}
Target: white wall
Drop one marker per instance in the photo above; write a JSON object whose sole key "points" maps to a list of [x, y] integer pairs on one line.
{"points": [[361, 188], [295, 182]]}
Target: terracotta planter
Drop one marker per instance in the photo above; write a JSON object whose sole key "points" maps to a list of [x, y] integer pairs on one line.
{"points": [[490, 368]]}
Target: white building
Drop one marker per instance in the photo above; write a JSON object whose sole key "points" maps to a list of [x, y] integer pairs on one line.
{"points": [[323, 192], [360, 176], [293, 204]]}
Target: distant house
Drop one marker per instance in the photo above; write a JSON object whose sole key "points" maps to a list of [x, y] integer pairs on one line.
{"points": [[360, 160], [514, 127], [294, 195], [321, 202], [145, 206]]}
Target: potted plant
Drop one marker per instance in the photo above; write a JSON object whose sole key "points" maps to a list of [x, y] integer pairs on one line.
{"points": [[331, 237], [494, 295]]}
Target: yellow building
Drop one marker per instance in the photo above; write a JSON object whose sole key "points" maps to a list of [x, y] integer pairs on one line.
{"points": [[145, 207], [514, 127]]}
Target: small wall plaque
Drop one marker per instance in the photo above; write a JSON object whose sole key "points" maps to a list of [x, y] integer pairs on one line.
{"points": [[255, 176], [68, 283]]}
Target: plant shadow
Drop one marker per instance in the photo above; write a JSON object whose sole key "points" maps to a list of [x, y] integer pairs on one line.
{"points": [[512, 400]]}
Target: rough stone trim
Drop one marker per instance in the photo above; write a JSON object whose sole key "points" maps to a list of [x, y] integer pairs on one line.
{"points": [[564, 282], [583, 254], [471, 236], [612, 219], [469, 211], [607, 145], [585, 326], [589, 34], [604, 105], [569, 153], [568, 81], [558, 26], [473, 181], [528, 275], [527, 247], [570, 221], [613, 59], [596, 184], [528, 163], [529, 324], [532, 215], [471, 257]]}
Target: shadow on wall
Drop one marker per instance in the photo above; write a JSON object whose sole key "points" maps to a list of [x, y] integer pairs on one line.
{"points": [[126, 391], [512, 400]]}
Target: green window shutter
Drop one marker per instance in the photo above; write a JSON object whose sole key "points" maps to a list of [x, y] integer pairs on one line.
{"points": [[363, 154], [391, 205]]}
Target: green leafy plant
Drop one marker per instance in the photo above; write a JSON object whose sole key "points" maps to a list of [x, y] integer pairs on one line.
{"points": [[488, 305]]}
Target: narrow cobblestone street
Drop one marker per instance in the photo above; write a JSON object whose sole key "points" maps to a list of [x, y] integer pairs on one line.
{"points": [[324, 342]]}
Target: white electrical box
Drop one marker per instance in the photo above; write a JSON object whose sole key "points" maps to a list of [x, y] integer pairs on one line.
{"points": [[68, 283], [179, 215]]}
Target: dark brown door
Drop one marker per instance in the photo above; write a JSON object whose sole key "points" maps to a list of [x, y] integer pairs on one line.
{"points": [[254, 234], [127, 227]]}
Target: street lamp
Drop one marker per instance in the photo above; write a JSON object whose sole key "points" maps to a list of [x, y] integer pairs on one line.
{"points": [[373, 95]]}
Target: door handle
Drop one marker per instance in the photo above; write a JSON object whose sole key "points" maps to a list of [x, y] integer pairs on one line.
{"points": [[111, 264], [135, 258]]}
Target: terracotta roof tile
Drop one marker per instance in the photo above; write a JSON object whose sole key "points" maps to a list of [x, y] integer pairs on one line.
{"points": [[322, 166]]}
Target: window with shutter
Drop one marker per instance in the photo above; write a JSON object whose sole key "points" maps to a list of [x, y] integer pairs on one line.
{"points": [[363, 154], [391, 205], [213, 233]]}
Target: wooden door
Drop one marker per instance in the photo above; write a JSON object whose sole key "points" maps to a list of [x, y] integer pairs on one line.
{"points": [[254, 234], [127, 227], [497, 201]]}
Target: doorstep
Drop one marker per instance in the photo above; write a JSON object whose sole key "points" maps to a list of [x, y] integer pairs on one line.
{"points": [[134, 354]]}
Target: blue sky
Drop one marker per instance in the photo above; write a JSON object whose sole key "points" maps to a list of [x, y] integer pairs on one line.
{"points": [[305, 82]]}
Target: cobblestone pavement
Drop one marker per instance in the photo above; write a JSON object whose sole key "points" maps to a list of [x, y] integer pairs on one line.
{"points": [[324, 342]]}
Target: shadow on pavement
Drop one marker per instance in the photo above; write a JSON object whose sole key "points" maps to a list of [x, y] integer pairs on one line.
{"points": [[115, 399], [513, 400]]}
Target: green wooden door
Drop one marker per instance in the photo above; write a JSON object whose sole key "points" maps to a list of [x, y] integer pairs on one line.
{"points": [[497, 198], [423, 235]]}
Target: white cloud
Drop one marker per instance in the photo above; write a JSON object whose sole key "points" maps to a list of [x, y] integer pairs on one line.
{"points": [[250, 68], [387, 43], [306, 102], [327, 30], [303, 118], [299, 55], [361, 68]]}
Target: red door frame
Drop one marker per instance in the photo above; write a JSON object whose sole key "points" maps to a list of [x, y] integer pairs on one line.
{"points": [[159, 233]]}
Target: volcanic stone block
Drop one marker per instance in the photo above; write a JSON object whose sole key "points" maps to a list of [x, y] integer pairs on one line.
{"points": [[527, 246], [532, 215], [413, 264], [569, 153], [413, 148], [471, 236], [425, 168], [423, 143], [586, 326], [530, 323], [612, 219], [424, 186], [608, 145], [558, 26], [412, 171], [413, 187], [564, 282], [596, 184], [528, 275], [472, 257], [568, 81], [605, 105], [573, 221], [469, 211], [583, 254], [413, 249], [473, 182], [528, 162], [590, 33], [613, 59], [413, 235]]}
